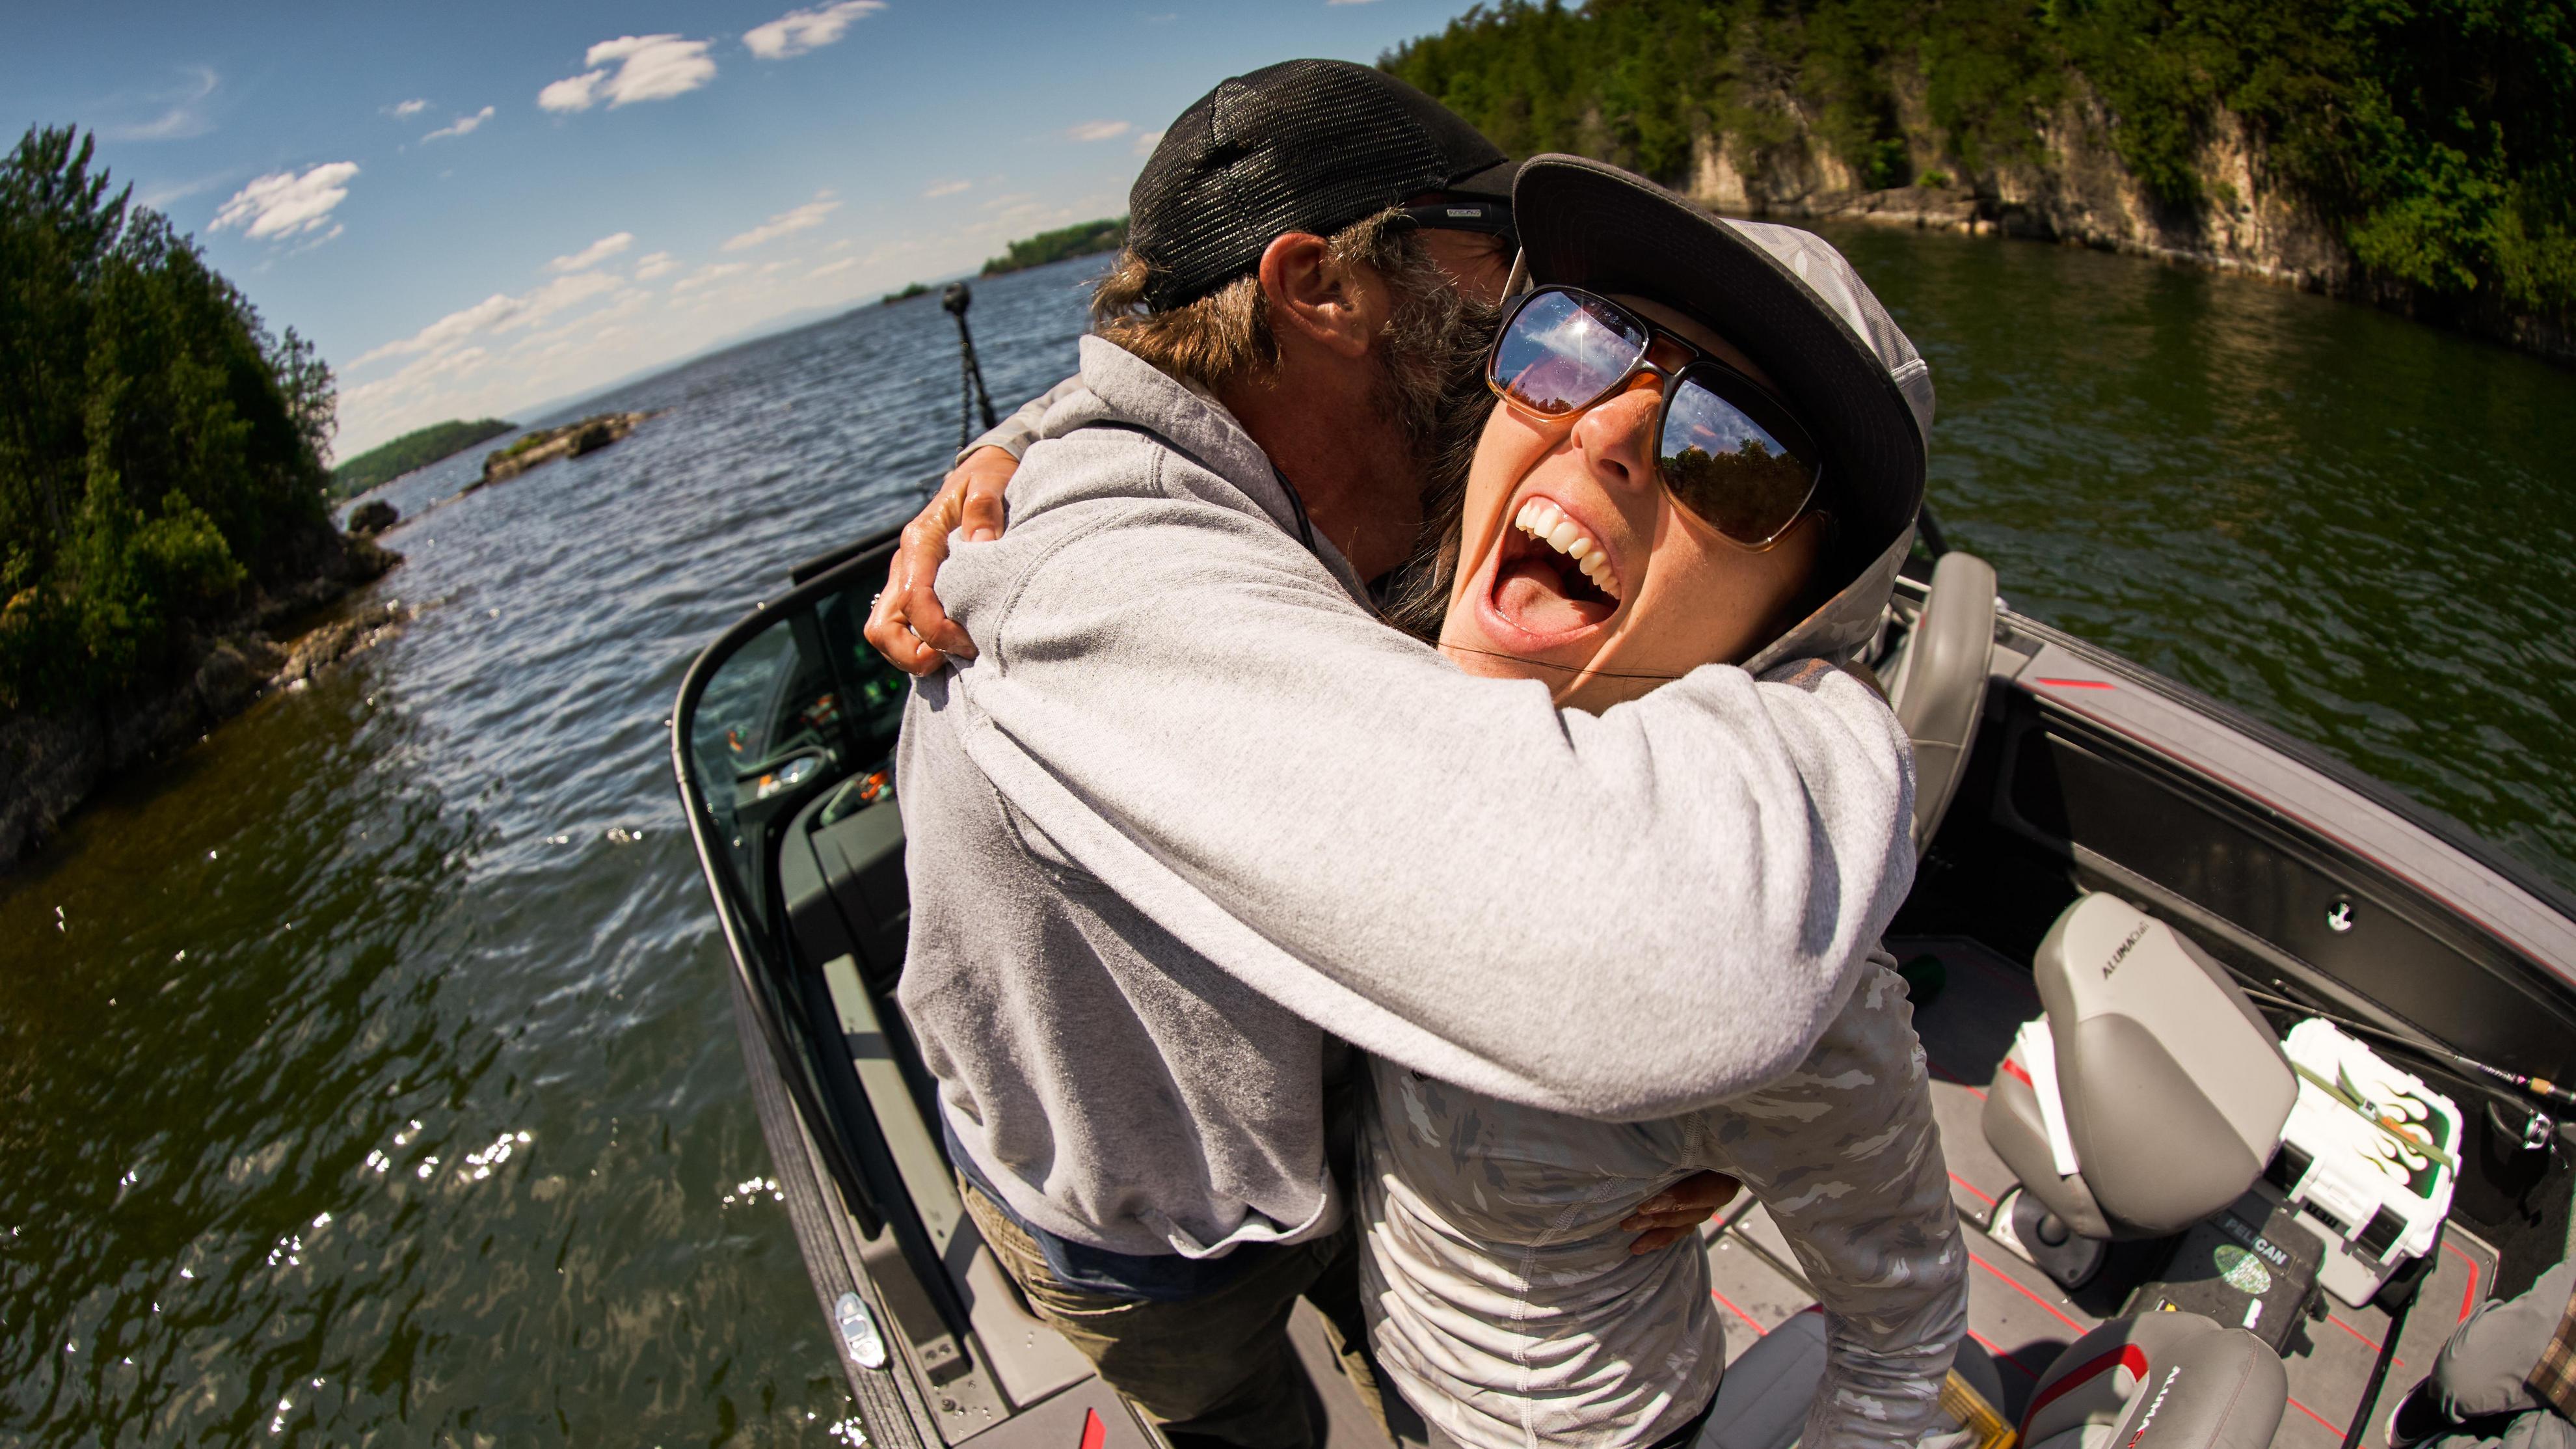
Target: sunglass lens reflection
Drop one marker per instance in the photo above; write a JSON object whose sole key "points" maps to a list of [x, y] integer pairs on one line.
{"points": [[1562, 352], [1729, 469]]}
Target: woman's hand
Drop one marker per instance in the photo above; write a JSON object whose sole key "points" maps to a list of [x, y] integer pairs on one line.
{"points": [[906, 623], [1676, 1213]]}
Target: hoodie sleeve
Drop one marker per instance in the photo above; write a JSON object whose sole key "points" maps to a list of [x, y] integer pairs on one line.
{"points": [[1623, 916], [1844, 1155]]}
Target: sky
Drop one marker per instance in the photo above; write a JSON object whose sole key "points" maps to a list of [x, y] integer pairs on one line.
{"points": [[476, 208]]}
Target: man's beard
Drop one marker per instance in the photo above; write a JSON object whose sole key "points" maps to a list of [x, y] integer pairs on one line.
{"points": [[1431, 386]]}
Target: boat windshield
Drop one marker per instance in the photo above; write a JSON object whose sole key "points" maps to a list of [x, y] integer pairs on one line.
{"points": [[787, 711]]}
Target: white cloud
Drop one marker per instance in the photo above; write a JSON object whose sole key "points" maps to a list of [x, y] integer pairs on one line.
{"points": [[284, 204], [497, 313], [799, 31], [572, 93], [811, 214], [464, 126], [182, 110], [714, 272], [654, 264], [1097, 130], [160, 195], [1146, 143], [595, 253], [947, 188], [649, 68], [405, 110], [829, 268]]}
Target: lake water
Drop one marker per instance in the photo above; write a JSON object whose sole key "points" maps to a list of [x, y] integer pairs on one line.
{"points": [[368, 1070]]}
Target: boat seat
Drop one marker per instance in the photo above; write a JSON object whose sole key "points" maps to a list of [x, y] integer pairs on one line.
{"points": [[1939, 692], [2173, 1087], [1763, 1401], [2159, 1381]]}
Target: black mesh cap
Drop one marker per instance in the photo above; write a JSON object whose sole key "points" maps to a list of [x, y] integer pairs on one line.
{"points": [[1305, 145]]}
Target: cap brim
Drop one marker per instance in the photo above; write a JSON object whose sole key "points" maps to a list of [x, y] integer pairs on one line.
{"points": [[1494, 181], [1593, 226]]}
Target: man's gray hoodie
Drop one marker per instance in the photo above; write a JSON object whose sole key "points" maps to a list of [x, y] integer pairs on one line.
{"points": [[1194, 807]]}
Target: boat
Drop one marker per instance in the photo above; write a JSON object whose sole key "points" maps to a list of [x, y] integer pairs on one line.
{"points": [[2332, 1137]]}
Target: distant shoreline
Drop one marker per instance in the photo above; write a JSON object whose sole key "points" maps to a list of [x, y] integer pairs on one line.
{"points": [[420, 448]]}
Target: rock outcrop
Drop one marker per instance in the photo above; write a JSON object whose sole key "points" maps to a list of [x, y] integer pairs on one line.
{"points": [[50, 762], [571, 440], [373, 517]]}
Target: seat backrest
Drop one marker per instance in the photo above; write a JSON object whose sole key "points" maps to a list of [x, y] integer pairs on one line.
{"points": [[2159, 1381], [1939, 692], [2175, 1089]]}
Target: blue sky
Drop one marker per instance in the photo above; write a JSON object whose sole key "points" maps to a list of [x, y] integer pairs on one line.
{"points": [[477, 207]]}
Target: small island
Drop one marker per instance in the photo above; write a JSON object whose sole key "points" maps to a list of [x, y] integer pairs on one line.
{"points": [[411, 452], [1088, 239], [547, 444], [911, 291], [171, 555]]}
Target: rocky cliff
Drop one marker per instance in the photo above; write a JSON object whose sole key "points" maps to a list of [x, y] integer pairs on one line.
{"points": [[2072, 187]]}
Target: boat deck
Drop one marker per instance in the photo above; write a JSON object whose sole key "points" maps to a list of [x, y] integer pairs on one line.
{"points": [[2019, 1316]]}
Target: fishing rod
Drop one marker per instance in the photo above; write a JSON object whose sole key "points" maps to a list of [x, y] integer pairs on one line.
{"points": [[2540, 1087], [956, 300]]}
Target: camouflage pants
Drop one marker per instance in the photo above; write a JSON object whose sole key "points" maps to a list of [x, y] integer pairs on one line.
{"points": [[1215, 1368]]}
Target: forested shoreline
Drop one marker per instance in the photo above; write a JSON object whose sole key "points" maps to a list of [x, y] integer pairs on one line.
{"points": [[161, 486], [2418, 154], [412, 451], [1081, 240]]}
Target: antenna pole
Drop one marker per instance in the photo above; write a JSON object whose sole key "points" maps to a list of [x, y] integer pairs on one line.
{"points": [[956, 300]]}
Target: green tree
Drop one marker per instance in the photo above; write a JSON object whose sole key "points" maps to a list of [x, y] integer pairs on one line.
{"points": [[160, 448]]}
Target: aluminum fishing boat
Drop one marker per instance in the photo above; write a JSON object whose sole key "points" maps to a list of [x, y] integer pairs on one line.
{"points": [[2223, 1035]]}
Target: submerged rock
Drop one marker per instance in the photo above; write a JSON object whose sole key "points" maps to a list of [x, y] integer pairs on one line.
{"points": [[339, 639], [51, 760]]}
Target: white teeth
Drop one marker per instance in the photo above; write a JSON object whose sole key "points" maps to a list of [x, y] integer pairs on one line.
{"points": [[1547, 523]]}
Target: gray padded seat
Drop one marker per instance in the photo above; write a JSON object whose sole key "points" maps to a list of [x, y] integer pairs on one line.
{"points": [[2174, 1087], [2159, 1381], [1762, 1402], [1939, 690]]}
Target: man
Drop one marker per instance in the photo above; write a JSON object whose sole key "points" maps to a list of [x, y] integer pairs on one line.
{"points": [[2506, 1379], [1194, 814]]}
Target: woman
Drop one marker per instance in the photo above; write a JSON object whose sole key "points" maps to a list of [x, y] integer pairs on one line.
{"points": [[1696, 459]]}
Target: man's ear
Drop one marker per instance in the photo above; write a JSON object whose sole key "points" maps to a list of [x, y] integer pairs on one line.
{"points": [[1334, 306]]}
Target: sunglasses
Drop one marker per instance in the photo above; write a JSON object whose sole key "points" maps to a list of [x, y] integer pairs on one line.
{"points": [[1726, 449]]}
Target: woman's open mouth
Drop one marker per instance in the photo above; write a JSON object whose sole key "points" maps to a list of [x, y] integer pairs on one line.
{"points": [[1551, 576]]}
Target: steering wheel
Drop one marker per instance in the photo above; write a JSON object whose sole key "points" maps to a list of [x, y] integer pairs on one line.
{"points": [[1940, 687]]}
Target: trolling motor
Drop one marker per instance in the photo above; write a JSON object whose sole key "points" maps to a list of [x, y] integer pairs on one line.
{"points": [[956, 300]]}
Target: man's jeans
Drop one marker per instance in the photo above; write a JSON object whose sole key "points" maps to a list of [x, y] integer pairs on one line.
{"points": [[1217, 1367]]}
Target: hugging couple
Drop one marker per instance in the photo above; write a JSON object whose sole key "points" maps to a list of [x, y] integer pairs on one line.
{"points": [[1396, 819]]}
